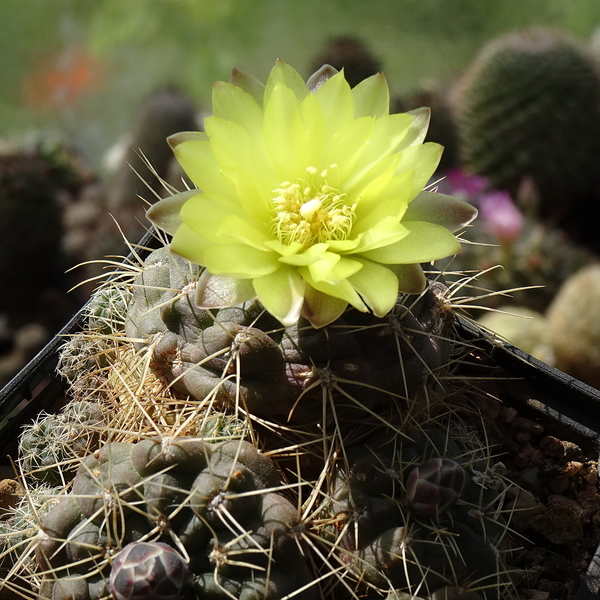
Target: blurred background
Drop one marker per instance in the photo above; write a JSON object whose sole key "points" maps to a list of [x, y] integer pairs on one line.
{"points": [[84, 84]]}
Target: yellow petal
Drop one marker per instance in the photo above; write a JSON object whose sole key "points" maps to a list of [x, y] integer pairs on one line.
{"points": [[425, 242], [421, 161], [233, 104], [372, 97], [320, 308], [342, 290], [282, 294], [283, 74], [187, 243], [239, 261], [377, 285], [197, 160], [337, 104]]}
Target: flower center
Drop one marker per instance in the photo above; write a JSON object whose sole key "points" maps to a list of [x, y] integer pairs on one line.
{"points": [[309, 212]]}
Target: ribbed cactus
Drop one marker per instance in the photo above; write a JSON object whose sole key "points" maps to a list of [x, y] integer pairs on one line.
{"points": [[415, 527], [528, 108], [217, 505], [283, 371], [51, 447], [148, 571]]}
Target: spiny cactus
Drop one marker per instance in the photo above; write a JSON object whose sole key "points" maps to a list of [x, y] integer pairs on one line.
{"points": [[529, 108], [574, 326], [148, 571], [50, 447], [434, 487], [217, 504], [421, 530], [283, 371]]}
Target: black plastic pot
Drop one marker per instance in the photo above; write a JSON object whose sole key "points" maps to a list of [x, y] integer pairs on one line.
{"points": [[567, 407]]}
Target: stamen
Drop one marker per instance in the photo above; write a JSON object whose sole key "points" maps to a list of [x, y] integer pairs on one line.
{"points": [[310, 213]]}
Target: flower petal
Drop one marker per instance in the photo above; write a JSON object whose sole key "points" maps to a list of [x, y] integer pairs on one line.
{"points": [[331, 268], [239, 261], [205, 215], [371, 97], [176, 139], [234, 104], [284, 75], [187, 243], [387, 231], [377, 285], [342, 290], [418, 128], [321, 309], [411, 279], [422, 160], [319, 77], [213, 291], [233, 146], [292, 133], [425, 242], [447, 211], [165, 214], [249, 84], [282, 294], [197, 160], [335, 99], [237, 229]]}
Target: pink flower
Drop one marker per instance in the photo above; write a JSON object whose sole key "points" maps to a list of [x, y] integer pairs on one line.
{"points": [[500, 216]]}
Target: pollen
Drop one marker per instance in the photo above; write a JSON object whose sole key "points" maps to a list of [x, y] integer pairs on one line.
{"points": [[311, 212]]}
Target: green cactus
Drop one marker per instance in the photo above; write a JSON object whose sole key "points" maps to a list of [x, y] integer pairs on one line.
{"points": [[412, 518], [50, 448], [528, 109], [574, 326], [216, 504], [283, 372]]}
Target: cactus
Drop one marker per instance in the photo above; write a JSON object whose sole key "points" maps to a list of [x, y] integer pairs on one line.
{"points": [[574, 326], [50, 447], [147, 570], [514, 122], [421, 531], [434, 487], [197, 350], [217, 503]]}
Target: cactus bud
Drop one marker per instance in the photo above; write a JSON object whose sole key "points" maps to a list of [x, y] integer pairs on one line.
{"points": [[147, 571], [435, 486]]}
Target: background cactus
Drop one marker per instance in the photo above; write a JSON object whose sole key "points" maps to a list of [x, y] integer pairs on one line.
{"points": [[574, 326], [515, 124]]}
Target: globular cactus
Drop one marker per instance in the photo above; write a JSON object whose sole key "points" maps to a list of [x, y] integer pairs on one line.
{"points": [[148, 571], [50, 448], [573, 321], [434, 487], [416, 527], [241, 354], [516, 124], [216, 502]]}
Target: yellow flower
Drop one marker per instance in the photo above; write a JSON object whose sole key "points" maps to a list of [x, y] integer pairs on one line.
{"points": [[310, 196]]}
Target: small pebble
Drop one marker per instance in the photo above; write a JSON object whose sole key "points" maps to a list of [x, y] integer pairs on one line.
{"points": [[522, 436], [524, 424], [508, 414]]}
